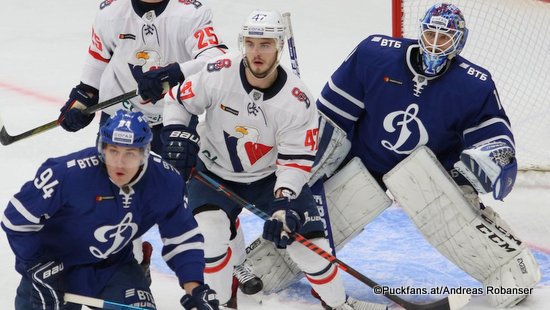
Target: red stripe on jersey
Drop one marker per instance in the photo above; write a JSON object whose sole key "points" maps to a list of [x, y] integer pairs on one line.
{"points": [[97, 56], [305, 168]]}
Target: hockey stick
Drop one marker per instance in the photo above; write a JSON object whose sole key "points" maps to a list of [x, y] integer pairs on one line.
{"points": [[451, 302], [291, 45], [97, 303], [6, 138]]}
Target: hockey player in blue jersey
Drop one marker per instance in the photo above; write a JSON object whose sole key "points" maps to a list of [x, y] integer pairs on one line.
{"points": [[392, 97], [72, 227]]}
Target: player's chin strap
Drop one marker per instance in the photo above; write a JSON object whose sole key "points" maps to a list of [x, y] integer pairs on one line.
{"points": [[7, 139], [447, 303]]}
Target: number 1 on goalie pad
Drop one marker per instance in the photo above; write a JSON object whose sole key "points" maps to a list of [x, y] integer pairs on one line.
{"points": [[476, 240]]}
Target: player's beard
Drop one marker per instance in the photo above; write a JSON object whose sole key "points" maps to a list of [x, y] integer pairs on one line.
{"points": [[258, 72]]}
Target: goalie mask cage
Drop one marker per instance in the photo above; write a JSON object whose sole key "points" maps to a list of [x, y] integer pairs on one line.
{"points": [[510, 38]]}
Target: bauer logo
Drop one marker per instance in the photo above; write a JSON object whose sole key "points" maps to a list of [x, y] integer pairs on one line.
{"points": [[123, 137]]}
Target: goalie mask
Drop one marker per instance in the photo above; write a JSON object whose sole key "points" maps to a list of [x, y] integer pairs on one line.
{"points": [[443, 34], [264, 24], [126, 129]]}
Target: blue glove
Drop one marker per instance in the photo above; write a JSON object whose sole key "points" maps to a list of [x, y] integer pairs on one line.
{"points": [[71, 117], [46, 293], [150, 86], [283, 223], [202, 298], [180, 145]]}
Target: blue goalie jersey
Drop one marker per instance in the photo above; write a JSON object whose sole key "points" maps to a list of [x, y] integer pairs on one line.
{"points": [[71, 212], [388, 108]]}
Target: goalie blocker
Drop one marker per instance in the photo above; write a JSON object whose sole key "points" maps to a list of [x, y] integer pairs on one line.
{"points": [[469, 234]]}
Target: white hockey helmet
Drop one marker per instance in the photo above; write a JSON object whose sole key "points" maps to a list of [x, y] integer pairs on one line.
{"points": [[264, 24]]}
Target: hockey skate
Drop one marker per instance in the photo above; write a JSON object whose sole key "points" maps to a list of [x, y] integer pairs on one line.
{"points": [[351, 304], [249, 283]]}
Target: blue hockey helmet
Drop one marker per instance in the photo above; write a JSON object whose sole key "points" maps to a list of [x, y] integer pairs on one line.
{"points": [[128, 129], [443, 34]]}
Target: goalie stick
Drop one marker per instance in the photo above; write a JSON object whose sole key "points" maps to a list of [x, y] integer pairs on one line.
{"points": [[7, 139], [97, 303], [452, 302]]}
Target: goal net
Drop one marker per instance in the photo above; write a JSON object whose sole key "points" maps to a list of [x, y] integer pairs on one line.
{"points": [[510, 38]]}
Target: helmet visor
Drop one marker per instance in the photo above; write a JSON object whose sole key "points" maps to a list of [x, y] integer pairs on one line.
{"points": [[122, 156]]}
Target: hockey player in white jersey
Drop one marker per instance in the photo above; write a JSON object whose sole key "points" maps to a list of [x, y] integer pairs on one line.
{"points": [[398, 100], [131, 37], [259, 138]]}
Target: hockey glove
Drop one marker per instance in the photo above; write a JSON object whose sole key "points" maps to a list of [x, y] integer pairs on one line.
{"points": [[46, 293], [489, 167], [71, 117], [150, 86], [180, 145], [283, 223], [202, 298]]}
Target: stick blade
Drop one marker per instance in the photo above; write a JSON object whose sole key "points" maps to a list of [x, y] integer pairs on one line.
{"points": [[5, 138]]}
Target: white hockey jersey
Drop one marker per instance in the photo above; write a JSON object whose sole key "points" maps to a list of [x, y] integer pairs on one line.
{"points": [[125, 44], [248, 134]]}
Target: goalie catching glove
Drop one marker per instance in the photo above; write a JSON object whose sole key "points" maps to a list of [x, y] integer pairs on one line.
{"points": [[489, 167]]}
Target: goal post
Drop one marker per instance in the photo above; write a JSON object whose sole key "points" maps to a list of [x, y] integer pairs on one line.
{"points": [[511, 39]]}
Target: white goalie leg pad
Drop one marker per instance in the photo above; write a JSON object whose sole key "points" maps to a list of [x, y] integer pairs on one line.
{"points": [[477, 241], [323, 276], [274, 266], [353, 199]]}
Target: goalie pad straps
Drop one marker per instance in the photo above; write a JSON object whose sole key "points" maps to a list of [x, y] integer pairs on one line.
{"points": [[353, 199], [475, 240]]}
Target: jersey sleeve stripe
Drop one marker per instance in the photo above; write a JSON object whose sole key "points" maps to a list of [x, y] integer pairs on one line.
{"points": [[96, 55], [182, 248], [301, 167], [23, 211], [295, 156], [493, 139], [342, 93], [20, 228], [181, 238], [336, 110], [487, 123]]}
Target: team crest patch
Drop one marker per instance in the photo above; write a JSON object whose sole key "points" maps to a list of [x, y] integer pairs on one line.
{"points": [[256, 95], [218, 65]]}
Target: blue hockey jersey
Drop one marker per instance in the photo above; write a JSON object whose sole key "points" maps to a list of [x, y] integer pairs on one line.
{"points": [[71, 212], [388, 108]]}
